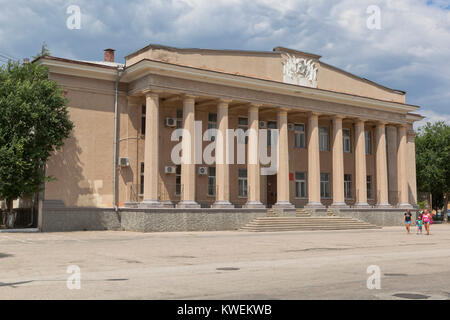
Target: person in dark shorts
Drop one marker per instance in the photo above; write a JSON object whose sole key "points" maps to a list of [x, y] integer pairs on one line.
{"points": [[407, 220]]}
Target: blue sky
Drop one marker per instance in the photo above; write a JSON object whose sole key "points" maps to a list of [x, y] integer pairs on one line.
{"points": [[410, 52]]}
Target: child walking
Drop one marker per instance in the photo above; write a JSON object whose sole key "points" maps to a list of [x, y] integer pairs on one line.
{"points": [[419, 224]]}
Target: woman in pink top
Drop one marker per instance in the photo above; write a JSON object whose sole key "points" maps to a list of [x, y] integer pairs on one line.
{"points": [[426, 221]]}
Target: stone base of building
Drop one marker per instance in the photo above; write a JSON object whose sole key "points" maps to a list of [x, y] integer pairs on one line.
{"points": [[147, 220], [361, 205], [188, 205], [222, 205], [254, 205], [339, 205], [283, 205], [405, 206], [175, 219], [380, 217], [314, 205], [148, 204]]}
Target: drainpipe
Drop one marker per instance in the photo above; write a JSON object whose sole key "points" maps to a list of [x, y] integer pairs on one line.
{"points": [[120, 70]]}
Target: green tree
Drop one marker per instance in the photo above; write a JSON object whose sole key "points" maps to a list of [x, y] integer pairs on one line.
{"points": [[433, 161], [44, 51], [33, 124]]}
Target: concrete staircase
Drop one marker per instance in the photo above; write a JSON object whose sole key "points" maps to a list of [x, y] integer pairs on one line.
{"points": [[303, 221]]}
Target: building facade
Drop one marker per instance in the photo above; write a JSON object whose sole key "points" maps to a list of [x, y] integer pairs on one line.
{"points": [[343, 141]]}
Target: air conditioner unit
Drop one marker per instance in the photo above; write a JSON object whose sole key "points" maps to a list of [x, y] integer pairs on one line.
{"points": [[171, 122], [202, 171], [170, 169], [290, 126], [262, 125], [124, 162]]}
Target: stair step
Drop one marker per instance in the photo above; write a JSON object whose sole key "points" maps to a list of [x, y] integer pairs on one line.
{"points": [[266, 224], [307, 228]]}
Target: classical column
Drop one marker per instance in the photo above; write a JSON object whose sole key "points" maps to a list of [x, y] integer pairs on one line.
{"points": [[283, 163], [151, 154], [188, 156], [338, 164], [313, 162], [402, 163], [381, 164], [411, 166], [392, 160], [133, 112], [360, 165], [222, 167], [253, 168]]}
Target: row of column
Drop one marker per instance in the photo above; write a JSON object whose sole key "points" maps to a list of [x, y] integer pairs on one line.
{"points": [[151, 171]]}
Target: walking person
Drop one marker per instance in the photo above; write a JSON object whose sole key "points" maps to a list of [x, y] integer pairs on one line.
{"points": [[426, 221], [407, 220], [419, 222]]}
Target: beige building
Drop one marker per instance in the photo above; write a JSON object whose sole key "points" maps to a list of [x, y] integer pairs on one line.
{"points": [[343, 140]]}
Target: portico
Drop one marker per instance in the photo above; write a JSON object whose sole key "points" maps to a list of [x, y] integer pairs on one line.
{"points": [[257, 114]]}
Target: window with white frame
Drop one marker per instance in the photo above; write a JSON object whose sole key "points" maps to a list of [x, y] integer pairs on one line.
{"points": [[348, 186], [178, 180], [299, 135], [242, 183], [270, 125], [368, 137], [141, 185], [325, 186], [143, 114], [346, 140], [243, 124], [211, 181], [324, 139], [300, 185], [212, 124], [179, 118], [369, 187]]}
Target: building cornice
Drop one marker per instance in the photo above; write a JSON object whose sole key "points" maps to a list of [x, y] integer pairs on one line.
{"points": [[148, 66], [78, 68]]}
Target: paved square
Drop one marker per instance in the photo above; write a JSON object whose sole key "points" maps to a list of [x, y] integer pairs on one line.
{"points": [[226, 265]]}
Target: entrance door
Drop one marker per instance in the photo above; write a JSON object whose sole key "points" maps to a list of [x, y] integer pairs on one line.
{"points": [[271, 190]]}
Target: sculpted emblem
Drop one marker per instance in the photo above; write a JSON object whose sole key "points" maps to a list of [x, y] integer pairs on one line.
{"points": [[300, 71]]}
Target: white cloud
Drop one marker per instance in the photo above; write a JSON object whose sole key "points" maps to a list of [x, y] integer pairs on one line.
{"points": [[410, 52], [431, 116]]}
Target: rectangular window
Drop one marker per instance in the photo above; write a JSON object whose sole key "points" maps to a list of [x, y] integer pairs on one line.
{"points": [[270, 125], [243, 124], [212, 124], [369, 187], [211, 181], [348, 186], [179, 118], [324, 143], [143, 113], [299, 136], [300, 185], [347, 140], [325, 187], [178, 180], [141, 184], [242, 183], [368, 137]]}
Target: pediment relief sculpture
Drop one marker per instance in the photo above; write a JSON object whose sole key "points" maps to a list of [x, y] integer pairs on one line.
{"points": [[300, 71]]}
